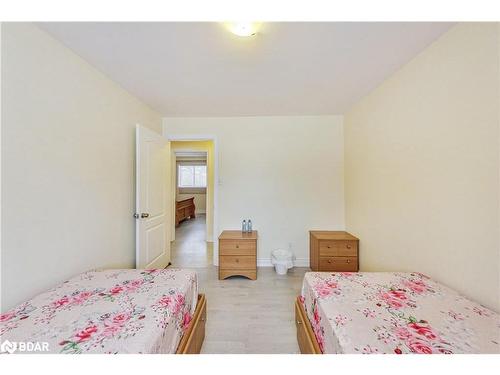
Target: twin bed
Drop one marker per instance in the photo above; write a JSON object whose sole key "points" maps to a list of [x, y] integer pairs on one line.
{"points": [[383, 312], [160, 311], [114, 311]]}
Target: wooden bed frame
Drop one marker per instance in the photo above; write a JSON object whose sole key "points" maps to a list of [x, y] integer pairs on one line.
{"points": [[192, 340], [305, 334]]}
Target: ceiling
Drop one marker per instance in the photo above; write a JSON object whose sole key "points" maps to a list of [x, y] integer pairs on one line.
{"points": [[200, 69]]}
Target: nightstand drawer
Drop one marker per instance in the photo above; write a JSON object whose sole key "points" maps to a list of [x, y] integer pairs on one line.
{"points": [[338, 248], [339, 264], [237, 262], [235, 247]]}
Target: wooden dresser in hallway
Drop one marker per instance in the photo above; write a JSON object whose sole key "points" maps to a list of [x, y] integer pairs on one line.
{"points": [[184, 209], [238, 254]]}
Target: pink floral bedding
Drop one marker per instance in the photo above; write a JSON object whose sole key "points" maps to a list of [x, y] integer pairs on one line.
{"points": [[398, 313], [110, 311]]}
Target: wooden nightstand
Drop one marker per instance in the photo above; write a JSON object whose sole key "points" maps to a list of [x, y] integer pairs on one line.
{"points": [[333, 251], [238, 254]]}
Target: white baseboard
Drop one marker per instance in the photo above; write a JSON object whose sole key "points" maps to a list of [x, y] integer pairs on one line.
{"points": [[299, 262]]}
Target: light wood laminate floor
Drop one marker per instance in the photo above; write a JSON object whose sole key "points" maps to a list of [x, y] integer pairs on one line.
{"points": [[243, 316]]}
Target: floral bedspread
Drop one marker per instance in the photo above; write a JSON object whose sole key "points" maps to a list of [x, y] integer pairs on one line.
{"points": [[384, 312], [109, 311]]}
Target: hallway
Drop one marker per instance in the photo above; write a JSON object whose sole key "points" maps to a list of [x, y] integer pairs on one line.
{"points": [[190, 249]]}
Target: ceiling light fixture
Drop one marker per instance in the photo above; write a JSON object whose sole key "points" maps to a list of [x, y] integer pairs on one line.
{"points": [[243, 29]]}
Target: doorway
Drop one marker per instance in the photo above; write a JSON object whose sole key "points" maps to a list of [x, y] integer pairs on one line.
{"points": [[193, 193]]}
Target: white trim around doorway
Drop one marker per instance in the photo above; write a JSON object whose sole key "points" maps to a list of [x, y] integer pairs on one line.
{"points": [[213, 138]]}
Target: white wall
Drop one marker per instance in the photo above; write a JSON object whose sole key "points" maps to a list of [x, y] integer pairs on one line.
{"points": [[67, 165], [284, 173], [422, 166]]}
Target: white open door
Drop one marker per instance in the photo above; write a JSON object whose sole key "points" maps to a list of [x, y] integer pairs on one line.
{"points": [[152, 207]]}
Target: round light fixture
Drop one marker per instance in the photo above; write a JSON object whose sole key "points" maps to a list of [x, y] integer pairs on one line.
{"points": [[243, 29]]}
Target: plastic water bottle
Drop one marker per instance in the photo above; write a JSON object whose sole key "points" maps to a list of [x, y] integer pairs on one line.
{"points": [[249, 227], [244, 227]]}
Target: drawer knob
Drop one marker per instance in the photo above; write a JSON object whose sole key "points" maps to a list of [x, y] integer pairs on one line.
{"points": [[237, 260], [348, 261], [329, 261], [328, 246], [299, 322], [237, 246], [348, 246]]}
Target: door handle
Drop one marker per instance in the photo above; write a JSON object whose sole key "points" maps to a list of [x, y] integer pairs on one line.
{"points": [[144, 215]]}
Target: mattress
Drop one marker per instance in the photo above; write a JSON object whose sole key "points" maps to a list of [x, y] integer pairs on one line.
{"points": [[108, 311], [379, 312]]}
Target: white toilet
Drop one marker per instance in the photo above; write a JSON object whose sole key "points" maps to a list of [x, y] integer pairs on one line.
{"points": [[282, 261]]}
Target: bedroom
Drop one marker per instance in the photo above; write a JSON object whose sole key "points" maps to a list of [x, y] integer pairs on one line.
{"points": [[386, 132]]}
